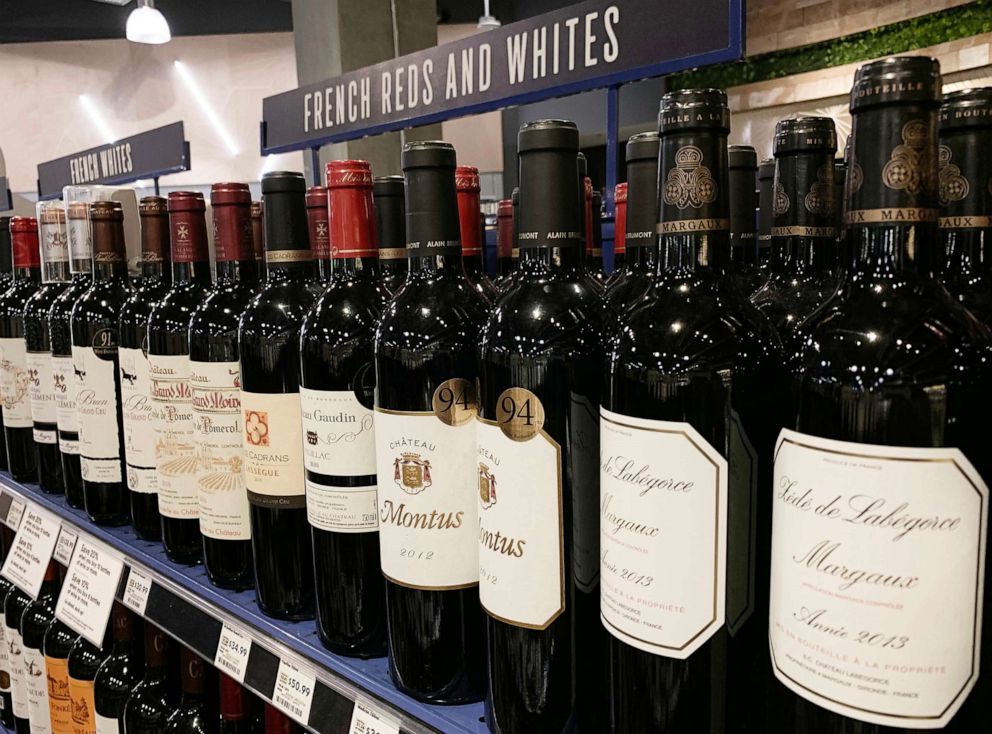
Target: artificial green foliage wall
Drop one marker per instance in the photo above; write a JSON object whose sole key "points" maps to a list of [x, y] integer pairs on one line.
{"points": [[908, 35]]}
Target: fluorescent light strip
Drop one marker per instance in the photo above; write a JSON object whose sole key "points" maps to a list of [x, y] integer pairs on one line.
{"points": [[97, 119], [205, 106]]}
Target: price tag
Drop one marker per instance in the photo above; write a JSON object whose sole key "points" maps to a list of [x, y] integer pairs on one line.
{"points": [[232, 653], [366, 720], [28, 558], [139, 586], [293, 694], [65, 545], [15, 513], [89, 589]]}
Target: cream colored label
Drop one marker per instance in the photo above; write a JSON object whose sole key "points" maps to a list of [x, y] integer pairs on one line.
{"points": [[175, 451], [37, 685], [4, 660], [42, 389], [273, 449], [18, 681], [518, 488], [15, 383], [663, 523], [426, 500], [139, 421], [223, 499], [106, 725], [877, 579], [96, 403], [66, 385]]}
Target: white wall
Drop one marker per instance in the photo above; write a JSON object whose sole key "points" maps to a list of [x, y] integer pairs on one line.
{"points": [[136, 87]]}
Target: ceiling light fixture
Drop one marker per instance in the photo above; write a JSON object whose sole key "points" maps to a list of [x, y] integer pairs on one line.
{"points": [[486, 20], [145, 24]]}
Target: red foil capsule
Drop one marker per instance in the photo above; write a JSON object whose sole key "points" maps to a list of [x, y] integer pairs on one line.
{"points": [[620, 220], [233, 701], [352, 217], [504, 228], [317, 219], [233, 239], [24, 242], [188, 227], [469, 215]]}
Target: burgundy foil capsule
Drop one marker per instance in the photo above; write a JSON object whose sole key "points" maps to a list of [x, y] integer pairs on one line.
{"points": [[233, 239], [352, 218], [504, 228], [233, 701], [108, 232], [154, 213], [24, 242], [317, 220], [187, 227], [469, 215], [620, 221]]}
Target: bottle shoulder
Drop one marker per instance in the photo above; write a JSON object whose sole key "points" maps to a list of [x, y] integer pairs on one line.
{"points": [[430, 312], [173, 311], [220, 311], [62, 306], [276, 310], [347, 310], [39, 304], [13, 299]]}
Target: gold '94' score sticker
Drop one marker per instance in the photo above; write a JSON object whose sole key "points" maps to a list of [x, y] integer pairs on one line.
{"points": [[519, 414], [455, 402]]}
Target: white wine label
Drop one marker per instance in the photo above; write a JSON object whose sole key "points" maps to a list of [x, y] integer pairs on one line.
{"points": [[339, 439], [175, 451], [18, 680], [66, 385], [139, 421], [107, 725], [273, 449], [583, 431], [518, 489], [96, 403], [877, 578], [342, 509], [427, 508], [4, 663], [14, 383], [42, 389], [742, 519], [36, 679], [223, 499], [663, 525]]}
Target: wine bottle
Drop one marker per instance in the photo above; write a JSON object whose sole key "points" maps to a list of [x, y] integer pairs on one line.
{"points": [[425, 445], [640, 239], [94, 327], [6, 703], [592, 263], [802, 273], [6, 279], [276, 722], [766, 213], [59, 640], [840, 186], [596, 251], [216, 382], [695, 394], [37, 616], [149, 705], [269, 343], [504, 241], [41, 386], [136, 385], [85, 660], [965, 205], [515, 250], [886, 475], [169, 372], [742, 178], [22, 452], [318, 230], [235, 717], [390, 219], [190, 717], [619, 232], [336, 399], [117, 675], [15, 603], [541, 370], [258, 234], [468, 187], [60, 337]]}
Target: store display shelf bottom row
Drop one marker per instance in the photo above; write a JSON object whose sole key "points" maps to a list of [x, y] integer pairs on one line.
{"points": [[186, 605]]}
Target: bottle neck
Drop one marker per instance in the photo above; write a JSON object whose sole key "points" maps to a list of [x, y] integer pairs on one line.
{"points": [[56, 272], [154, 269], [642, 257], [551, 231], [197, 271], [355, 268], [300, 271], [230, 272], [32, 274], [799, 256]]}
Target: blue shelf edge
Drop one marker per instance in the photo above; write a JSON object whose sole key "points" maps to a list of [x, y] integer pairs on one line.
{"points": [[370, 677]]}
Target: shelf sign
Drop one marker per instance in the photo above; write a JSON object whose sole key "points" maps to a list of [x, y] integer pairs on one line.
{"points": [[366, 719], [65, 545], [233, 650], [89, 589], [146, 155], [293, 694], [585, 46], [28, 558]]}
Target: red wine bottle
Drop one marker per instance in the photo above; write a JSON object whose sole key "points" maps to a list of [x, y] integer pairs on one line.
{"points": [[319, 230], [22, 452], [596, 251], [619, 233], [540, 377], [504, 241], [15, 603], [276, 722], [216, 380], [470, 223], [965, 205], [390, 219], [191, 717], [640, 238], [118, 674], [59, 640], [150, 703], [742, 180], [6, 279], [887, 473], [136, 386], [258, 235], [235, 712], [85, 660], [60, 337], [269, 342], [41, 386], [426, 367], [336, 397], [95, 335], [37, 617], [766, 213], [168, 368]]}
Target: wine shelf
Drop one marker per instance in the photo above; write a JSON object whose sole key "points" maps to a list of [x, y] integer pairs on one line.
{"points": [[188, 607]]}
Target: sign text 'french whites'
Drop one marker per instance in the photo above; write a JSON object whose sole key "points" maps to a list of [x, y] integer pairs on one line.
{"points": [[145, 155], [584, 46]]}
